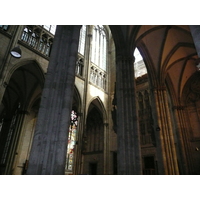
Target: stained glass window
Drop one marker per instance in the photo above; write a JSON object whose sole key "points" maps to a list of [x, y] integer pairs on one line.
{"points": [[71, 142]]}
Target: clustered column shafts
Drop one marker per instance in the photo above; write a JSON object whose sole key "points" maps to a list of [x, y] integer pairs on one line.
{"points": [[48, 153], [183, 134], [165, 134], [129, 152]]}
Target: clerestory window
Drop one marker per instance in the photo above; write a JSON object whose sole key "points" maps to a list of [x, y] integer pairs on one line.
{"points": [[139, 66], [99, 47], [81, 47], [50, 28]]}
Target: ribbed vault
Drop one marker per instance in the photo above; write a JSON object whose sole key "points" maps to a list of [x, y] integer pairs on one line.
{"points": [[167, 50]]}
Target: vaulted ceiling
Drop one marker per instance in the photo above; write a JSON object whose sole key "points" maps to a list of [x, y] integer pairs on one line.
{"points": [[168, 52]]}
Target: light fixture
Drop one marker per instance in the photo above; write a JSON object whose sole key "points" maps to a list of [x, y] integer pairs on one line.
{"points": [[16, 52]]}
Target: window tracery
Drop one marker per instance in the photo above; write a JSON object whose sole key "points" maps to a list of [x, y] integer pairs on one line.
{"points": [[99, 47], [98, 77], [37, 39], [81, 47], [98, 56]]}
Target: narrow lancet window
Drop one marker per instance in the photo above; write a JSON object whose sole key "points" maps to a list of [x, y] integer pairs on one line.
{"points": [[71, 142]]}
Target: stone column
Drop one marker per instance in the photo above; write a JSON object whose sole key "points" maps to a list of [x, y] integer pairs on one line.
{"points": [[183, 142], [129, 152], [195, 31], [166, 151], [48, 153]]}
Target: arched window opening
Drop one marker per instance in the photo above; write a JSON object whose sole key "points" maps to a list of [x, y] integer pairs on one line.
{"points": [[99, 47], [81, 47], [139, 65], [71, 142], [98, 74], [81, 52]]}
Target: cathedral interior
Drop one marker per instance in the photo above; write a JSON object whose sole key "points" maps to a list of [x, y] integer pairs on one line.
{"points": [[99, 100]]}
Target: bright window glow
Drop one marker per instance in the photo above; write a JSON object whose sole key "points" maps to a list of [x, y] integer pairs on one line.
{"points": [[99, 47], [139, 65], [50, 28], [81, 46]]}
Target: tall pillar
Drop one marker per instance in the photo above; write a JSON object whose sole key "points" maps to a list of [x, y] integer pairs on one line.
{"points": [[195, 31], [129, 152], [48, 153], [184, 144], [166, 150]]}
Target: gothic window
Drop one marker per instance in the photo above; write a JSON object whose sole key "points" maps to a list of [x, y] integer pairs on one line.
{"points": [[139, 65], [99, 47], [71, 141], [81, 46], [50, 28]]}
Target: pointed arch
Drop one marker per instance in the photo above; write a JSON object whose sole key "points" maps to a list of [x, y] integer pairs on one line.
{"points": [[24, 83], [99, 104]]}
